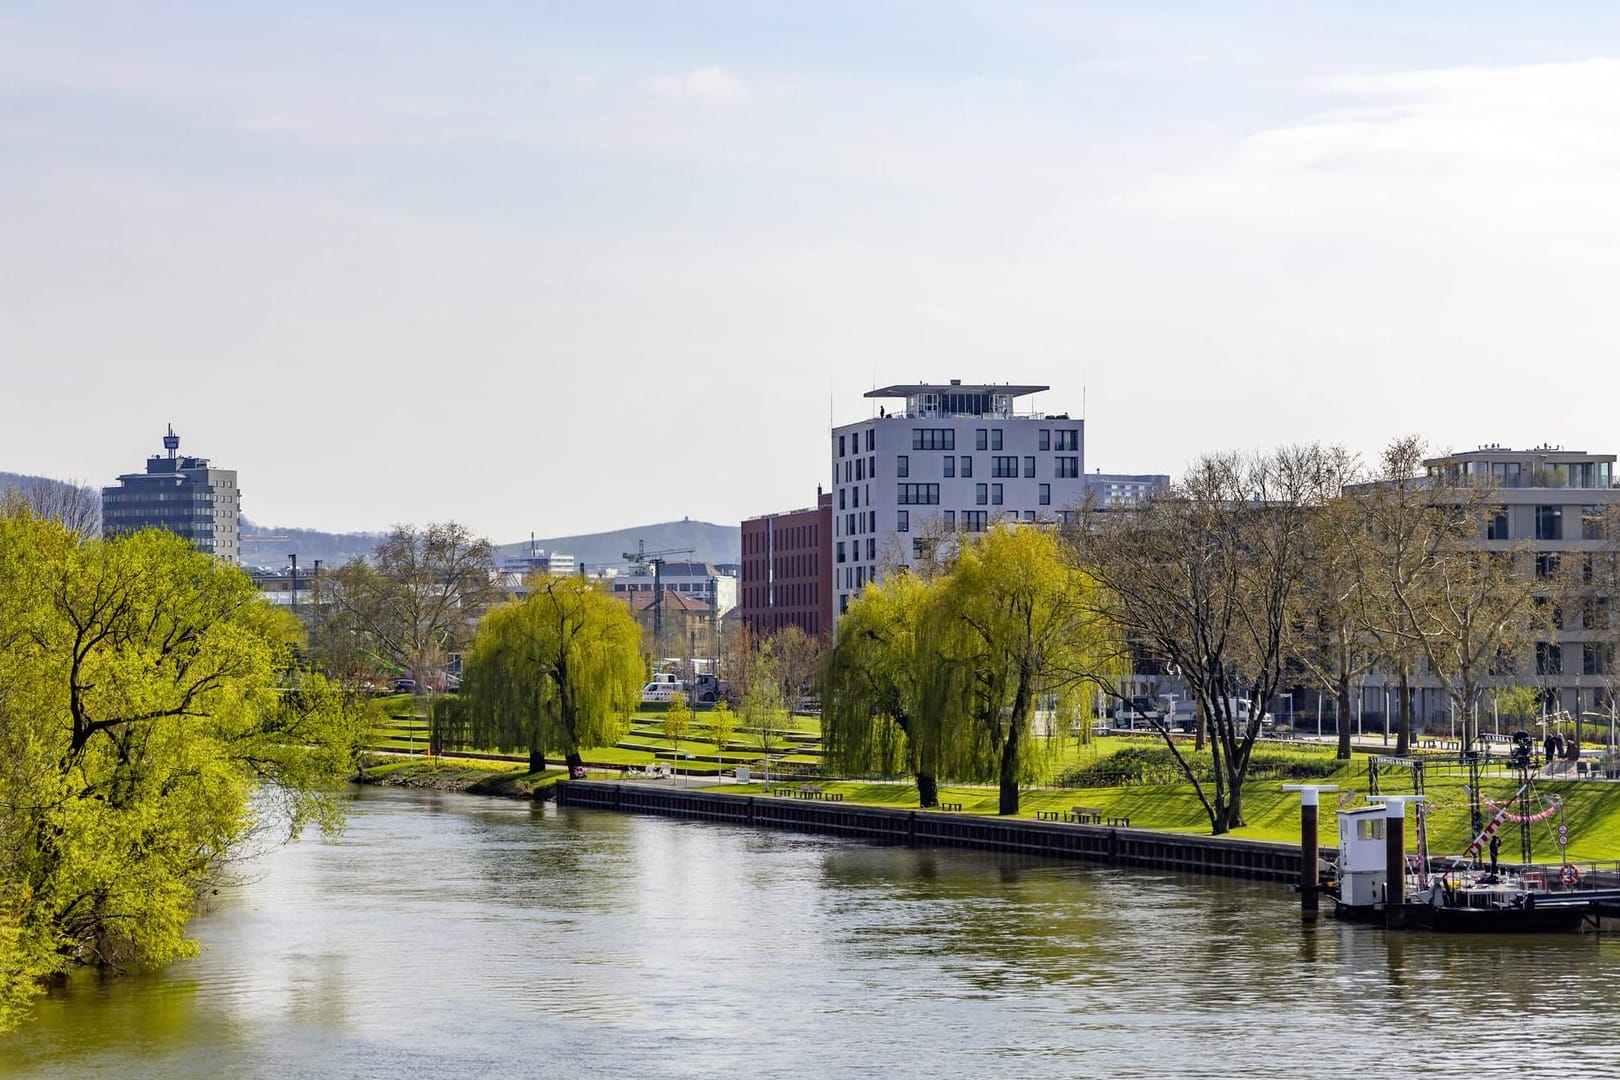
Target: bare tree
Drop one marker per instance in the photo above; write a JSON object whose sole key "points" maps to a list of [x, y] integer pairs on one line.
{"points": [[1209, 577], [75, 505], [418, 599]]}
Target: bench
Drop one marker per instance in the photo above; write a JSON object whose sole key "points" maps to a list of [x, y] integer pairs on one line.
{"points": [[951, 806], [1084, 815], [1048, 815]]}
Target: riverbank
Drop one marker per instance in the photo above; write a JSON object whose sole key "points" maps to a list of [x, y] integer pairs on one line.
{"points": [[473, 776]]}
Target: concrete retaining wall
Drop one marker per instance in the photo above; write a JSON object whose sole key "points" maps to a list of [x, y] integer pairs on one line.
{"points": [[930, 828]]}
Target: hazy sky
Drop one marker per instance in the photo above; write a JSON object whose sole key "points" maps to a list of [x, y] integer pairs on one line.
{"points": [[566, 267]]}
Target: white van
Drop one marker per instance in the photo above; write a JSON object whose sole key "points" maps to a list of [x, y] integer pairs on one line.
{"points": [[663, 687]]}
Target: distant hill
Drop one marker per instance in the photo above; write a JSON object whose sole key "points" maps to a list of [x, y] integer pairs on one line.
{"points": [[269, 545], [710, 543]]}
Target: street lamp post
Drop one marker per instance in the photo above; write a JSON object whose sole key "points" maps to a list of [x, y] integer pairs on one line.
{"points": [[294, 558]]}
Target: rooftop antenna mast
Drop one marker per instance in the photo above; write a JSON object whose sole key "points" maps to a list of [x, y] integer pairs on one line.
{"points": [[171, 442]]}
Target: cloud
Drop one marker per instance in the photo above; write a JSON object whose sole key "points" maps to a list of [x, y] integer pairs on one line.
{"points": [[713, 84], [1522, 149]]}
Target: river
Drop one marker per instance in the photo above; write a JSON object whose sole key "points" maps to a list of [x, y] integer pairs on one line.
{"points": [[460, 936]]}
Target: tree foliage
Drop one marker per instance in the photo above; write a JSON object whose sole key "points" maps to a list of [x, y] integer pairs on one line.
{"points": [[149, 719], [943, 677], [560, 670]]}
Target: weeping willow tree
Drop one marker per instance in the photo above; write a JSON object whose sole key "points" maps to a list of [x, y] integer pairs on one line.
{"points": [[887, 698], [560, 671], [1020, 627]]}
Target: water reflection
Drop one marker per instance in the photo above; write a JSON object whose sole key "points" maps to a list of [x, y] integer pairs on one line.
{"points": [[450, 934]]}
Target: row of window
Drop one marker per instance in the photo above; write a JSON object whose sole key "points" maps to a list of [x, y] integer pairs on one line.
{"points": [[1550, 524], [1001, 466], [855, 550]]}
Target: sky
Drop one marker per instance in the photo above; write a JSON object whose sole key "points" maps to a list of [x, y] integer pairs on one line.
{"points": [[558, 268]]}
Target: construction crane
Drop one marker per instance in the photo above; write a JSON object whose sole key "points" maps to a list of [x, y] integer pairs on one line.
{"points": [[643, 558]]}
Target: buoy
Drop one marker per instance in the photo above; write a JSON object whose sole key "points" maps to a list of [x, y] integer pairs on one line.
{"points": [[1569, 874]]}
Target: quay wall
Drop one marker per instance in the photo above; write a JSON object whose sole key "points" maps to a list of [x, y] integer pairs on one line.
{"points": [[1258, 859]]}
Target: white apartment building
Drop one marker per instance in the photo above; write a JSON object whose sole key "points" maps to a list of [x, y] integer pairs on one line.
{"points": [[956, 459]]}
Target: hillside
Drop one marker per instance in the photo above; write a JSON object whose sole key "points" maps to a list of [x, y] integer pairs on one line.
{"points": [[269, 545], [710, 543]]}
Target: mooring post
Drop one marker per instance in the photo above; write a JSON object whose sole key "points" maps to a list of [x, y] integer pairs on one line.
{"points": [[1309, 846], [1395, 857]]}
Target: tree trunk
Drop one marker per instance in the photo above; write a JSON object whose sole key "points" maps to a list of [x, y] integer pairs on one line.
{"points": [[927, 790], [1009, 772], [1403, 730], [537, 760], [576, 764], [1341, 697]]}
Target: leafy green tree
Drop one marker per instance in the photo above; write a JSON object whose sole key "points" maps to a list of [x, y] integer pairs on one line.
{"points": [[677, 725], [762, 706], [1021, 625], [146, 696], [887, 693], [722, 729], [559, 670]]}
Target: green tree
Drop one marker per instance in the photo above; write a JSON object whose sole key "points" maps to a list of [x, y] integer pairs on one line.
{"points": [[559, 670], [1023, 627], [762, 706], [722, 729], [887, 692], [677, 725], [146, 696]]}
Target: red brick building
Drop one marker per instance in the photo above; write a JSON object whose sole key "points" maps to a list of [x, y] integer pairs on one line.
{"points": [[787, 571]]}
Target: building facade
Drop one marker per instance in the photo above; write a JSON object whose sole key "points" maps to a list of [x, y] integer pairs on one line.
{"points": [[1562, 504], [700, 580], [1115, 491], [183, 495], [787, 571], [956, 458]]}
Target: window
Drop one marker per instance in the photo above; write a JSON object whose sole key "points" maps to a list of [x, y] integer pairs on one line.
{"points": [[902, 466], [950, 466], [981, 493], [840, 550], [967, 467], [1597, 658], [1029, 515], [1069, 440], [1505, 473], [918, 495], [1549, 523], [921, 547], [933, 439], [1046, 494], [902, 521], [1497, 527], [840, 446], [841, 493], [1549, 658], [1044, 441], [871, 548], [995, 438], [1029, 465], [950, 519], [870, 438], [860, 469], [973, 520], [1592, 523], [995, 494], [981, 439], [1066, 467], [1004, 466], [1546, 564]]}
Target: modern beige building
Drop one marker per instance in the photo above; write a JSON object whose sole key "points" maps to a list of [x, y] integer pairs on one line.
{"points": [[1556, 501]]}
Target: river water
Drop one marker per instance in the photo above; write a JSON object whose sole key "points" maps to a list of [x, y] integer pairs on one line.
{"points": [[451, 935]]}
